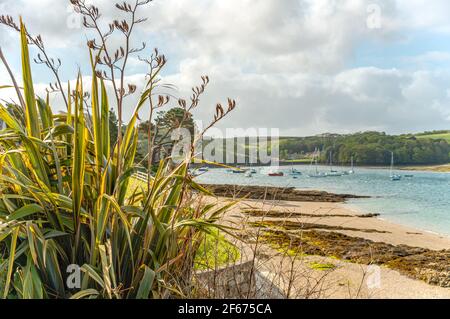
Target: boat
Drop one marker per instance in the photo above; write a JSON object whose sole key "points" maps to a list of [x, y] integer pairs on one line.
{"points": [[294, 172], [316, 174], [203, 169], [351, 171], [194, 173], [248, 174], [394, 177], [253, 171], [332, 172], [409, 176], [276, 174], [237, 170]]}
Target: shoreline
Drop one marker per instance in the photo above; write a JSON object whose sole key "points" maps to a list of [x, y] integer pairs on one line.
{"points": [[444, 168], [278, 193], [304, 195], [296, 198], [413, 263], [433, 168], [358, 210]]}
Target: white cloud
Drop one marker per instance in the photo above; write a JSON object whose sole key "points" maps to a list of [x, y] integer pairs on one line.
{"points": [[288, 63]]}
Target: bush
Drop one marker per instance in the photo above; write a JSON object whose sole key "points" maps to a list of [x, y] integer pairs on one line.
{"points": [[65, 200]]}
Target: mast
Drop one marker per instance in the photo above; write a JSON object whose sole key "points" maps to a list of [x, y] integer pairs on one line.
{"points": [[317, 155], [392, 162], [331, 161]]}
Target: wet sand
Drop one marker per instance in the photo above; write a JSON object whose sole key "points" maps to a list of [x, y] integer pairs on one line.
{"points": [[328, 276]]}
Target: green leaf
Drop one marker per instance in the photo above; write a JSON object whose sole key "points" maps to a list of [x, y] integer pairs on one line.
{"points": [[85, 293], [11, 260], [31, 114], [25, 211], [146, 284]]}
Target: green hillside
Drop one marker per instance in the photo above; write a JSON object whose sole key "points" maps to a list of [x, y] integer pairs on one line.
{"points": [[439, 135]]}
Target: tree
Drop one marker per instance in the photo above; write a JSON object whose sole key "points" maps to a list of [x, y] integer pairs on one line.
{"points": [[175, 118]]}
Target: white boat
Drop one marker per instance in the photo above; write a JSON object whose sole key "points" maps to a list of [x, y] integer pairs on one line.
{"points": [[352, 170], [248, 174], [194, 173], [394, 177], [332, 172], [316, 174], [294, 172]]}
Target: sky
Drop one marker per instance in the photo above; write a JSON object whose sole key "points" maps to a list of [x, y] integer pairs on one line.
{"points": [[303, 66]]}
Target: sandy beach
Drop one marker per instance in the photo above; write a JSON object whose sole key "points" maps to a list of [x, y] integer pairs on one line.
{"points": [[331, 250]]}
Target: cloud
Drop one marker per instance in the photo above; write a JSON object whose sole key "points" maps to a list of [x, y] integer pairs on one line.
{"points": [[418, 14], [289, 64]]}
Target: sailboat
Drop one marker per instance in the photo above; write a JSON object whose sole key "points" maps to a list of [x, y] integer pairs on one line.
{"points": [[394, 177], [351, 171], [333, 173], [317, 174], [252, 170], [294, 172]]}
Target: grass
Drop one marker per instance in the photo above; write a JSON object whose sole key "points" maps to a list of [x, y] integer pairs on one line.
{"points": [[434, 168], [443, 136], [215, 251], [300, 160], [321, 267]]}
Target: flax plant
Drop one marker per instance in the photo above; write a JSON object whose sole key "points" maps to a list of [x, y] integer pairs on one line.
{"points": [[65, 199]]}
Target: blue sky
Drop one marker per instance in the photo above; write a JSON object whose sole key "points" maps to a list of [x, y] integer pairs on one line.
{"points": [[398, 54], [303, 66]]}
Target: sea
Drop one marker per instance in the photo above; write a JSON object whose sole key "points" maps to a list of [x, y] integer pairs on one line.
{"points": [[421, 201]]}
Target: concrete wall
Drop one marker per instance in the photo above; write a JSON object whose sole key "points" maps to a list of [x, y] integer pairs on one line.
{"points": [[237, 281]]}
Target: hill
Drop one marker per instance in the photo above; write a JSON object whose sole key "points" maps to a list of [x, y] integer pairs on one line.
{"points": [[369, 148], [435, 135]]}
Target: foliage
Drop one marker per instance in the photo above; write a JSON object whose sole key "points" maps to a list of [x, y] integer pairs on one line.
{"points": [[165, 124], [215, 251], [65, 200], [370, 148], [321, 266], [445, 135]]}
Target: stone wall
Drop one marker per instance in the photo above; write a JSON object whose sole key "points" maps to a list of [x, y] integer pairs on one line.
{"points": [[241, 281]]}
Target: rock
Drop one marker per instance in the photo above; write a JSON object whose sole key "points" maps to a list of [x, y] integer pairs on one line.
{"points": [[278, 193]]}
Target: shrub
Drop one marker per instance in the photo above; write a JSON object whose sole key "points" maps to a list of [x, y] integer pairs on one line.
{"points": [[65, 198]]}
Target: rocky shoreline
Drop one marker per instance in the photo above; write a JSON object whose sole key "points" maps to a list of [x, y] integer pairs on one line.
{"points": [[277, 193], [431, 266]]}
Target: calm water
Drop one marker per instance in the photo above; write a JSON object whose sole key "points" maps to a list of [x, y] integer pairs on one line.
{"points": [[422, 202]]}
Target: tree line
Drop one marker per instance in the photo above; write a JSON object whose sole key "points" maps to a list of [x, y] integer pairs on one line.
{"points": [[368, 148]]}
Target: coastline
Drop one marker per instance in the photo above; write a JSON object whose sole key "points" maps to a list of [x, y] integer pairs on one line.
{"points": [[358, 210], [413, 263], [428, 168], [310, 195]]}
